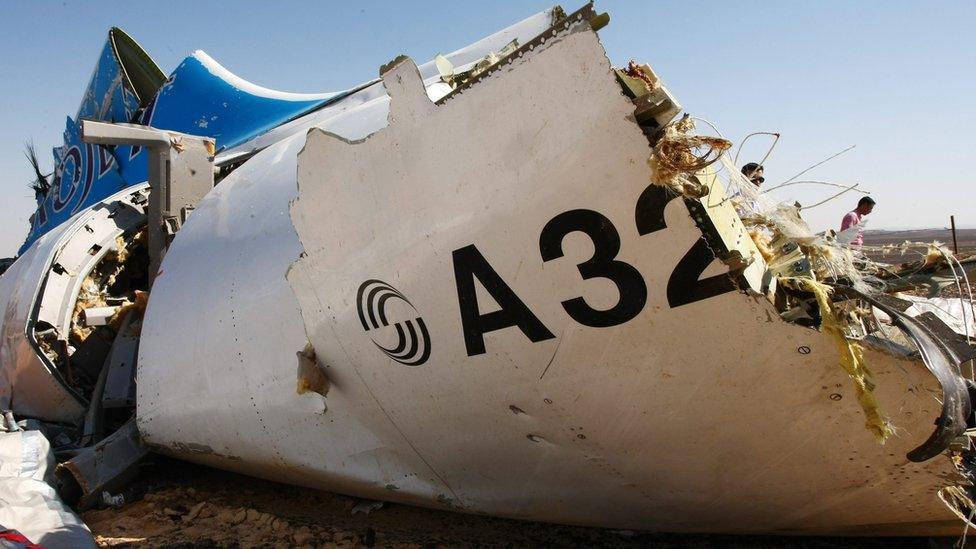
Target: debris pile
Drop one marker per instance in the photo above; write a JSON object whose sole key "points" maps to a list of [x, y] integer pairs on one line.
{"points": [[29, 503], [803, 268], [115, 287]]}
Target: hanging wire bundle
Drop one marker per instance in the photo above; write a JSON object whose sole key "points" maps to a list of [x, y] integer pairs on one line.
{"points": [[679, 155]]}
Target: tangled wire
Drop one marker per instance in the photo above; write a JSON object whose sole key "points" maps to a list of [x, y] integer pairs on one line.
{"points": [[678, 152]]}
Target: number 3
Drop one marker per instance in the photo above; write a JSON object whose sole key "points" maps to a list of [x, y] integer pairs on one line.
{"points": [[606, 243]]}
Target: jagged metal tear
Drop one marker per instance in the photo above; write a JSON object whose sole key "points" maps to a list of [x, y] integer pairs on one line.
{"points": [[943, 362]]}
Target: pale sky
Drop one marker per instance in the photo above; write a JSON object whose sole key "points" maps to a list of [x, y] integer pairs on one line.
{"points": [[895, 78]]}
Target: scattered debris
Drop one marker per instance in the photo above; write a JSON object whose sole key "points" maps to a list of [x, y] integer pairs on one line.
{"points": [[109, 500], [115, 286], [28, 501], [803, 268], [809, 280], [103, 468], [367, 506]]}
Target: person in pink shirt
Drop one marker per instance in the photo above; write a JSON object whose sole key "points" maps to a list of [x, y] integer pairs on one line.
{"points": [[854, 217]]}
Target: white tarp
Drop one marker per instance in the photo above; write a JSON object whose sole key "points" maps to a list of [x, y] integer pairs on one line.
{"points": [[28, 503]]}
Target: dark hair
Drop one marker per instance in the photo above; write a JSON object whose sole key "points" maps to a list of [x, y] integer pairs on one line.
{"points": [[866, 200], [750, 167]]}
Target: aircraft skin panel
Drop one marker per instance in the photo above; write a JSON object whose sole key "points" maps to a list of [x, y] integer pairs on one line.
{"points": [[27, 384], [499, 336], [109, 96], [200, 97], [256, 323], [522, 32], [204, 98], [33, 301]]}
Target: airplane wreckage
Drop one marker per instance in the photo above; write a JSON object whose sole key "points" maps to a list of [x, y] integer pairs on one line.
{"points": [[510, 281]]}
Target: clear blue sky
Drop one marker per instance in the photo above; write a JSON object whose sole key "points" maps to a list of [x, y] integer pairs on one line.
{"points": [[896, 78]]}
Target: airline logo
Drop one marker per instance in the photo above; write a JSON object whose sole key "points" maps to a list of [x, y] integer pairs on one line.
{"points": [[413, 339]]}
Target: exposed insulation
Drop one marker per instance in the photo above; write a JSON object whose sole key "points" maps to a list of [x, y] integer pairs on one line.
{"points": [[141, 299], [851, 356], [642, 73], [90, 295], [762, 241], [936, 254], [958, 501], [784, 239], [116, 281], [311, 377], [679, 153]]}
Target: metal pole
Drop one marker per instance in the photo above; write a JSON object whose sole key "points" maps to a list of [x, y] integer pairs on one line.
{"points": [[952, 222]]}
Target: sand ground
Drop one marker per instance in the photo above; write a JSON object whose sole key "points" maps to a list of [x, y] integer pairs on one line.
{"points": [[177, 504]]}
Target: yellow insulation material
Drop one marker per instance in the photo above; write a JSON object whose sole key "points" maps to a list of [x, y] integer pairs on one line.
{"points": [[311, 377], [851, 357], [762, 242], [141, 300]]}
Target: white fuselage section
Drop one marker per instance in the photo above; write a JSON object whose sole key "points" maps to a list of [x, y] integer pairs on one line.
{"points": [[570, 375], [505, 316]]}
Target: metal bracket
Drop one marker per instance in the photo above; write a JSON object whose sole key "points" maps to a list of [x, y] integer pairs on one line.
{"points": [[171, 225], [181, 173], [120, 381], [104, 467]]}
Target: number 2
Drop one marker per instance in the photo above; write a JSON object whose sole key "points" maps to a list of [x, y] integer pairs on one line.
{"points": [[684, 286]]}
